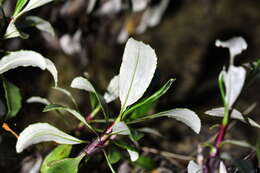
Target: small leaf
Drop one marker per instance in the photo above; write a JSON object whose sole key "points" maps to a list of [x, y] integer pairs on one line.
{"points": [[136, 72], [238, 143], [222, 168], [113, 155], [131, 150], [36, 99], [234, 80], [84, 84], [194, 167], [52, 107], [235, 114], [19, 6], [41, 24], [27, 58], [146, 162], [112, 90], [235, 45], [12, 32], [134, 155], [60, 152], [152, 98], [43, 132], [186, 116], [13, 98], [150, 131], [121, 128], [68, 165]]}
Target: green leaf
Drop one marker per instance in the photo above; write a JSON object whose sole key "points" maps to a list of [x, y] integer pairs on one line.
{"points": [[68, 165], [93, 100], [136, 135], [60, 152], [113, 155], [52, 107], [146, 163], [132, 151], [43, 132], [13, 98], [41, 24], [19, 6], [152, 98], [108, 162], [184, 115]]}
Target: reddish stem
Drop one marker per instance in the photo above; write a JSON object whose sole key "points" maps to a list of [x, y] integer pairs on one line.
{"points": [[219, 139]]}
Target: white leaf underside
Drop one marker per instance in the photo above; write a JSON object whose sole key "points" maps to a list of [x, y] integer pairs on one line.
{"points": [[136, 71], [194, 167], [36, 99], [41, 24], [82, 83], [112, 90], [235, 114], [27, 58], [121, 129], [43, 132], [133, 155], [32, 4]]}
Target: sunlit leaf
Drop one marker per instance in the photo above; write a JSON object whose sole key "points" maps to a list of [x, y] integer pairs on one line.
{"points": [[222, 167], [112, 90], [136, 72], [186, 116], [13, 98], [43, 132], [19, 6], [37, 99], [32, 4], [235, 114], [12, 32], [27, 58], [150, 99], [52, 107], [60, 152], [41, 24], [134, 155], [68, 165], [194, 167]]}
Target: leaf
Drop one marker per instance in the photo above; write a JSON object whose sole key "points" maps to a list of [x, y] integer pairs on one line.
{"points": [[235, 45], [152, 98], [194, 167], [68, 165], [108, 162], [41, 24], [131, 150], [112, 90], [113, 155], [84, 84], [146, 162], [32, 4], [19, 6], [136, 72], [184, 115], [222, 168], [136, 135], [150, 131], [134, 155], [234, 80], [36, 99], [139, 5], [43, 132], [91, 5], [60, 152], [27, 58], [52, 107], [13, 98], [12, 32], [238, 143], [235, 114], [120, 128]]}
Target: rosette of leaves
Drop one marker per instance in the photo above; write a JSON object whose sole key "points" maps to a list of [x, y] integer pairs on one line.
{"points": [[136, 72]]}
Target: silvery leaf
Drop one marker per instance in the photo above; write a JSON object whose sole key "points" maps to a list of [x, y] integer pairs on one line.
{"points": [[41, 24], [91, 5], [194, 167], [112, 90], [36, 99], [43, 132], [134, 155], [235, 45], [234, 80], [27, 58], [32, 4], [11, 31], [136, 71], [235, 114], [121, 129], [139, 5], [222, 167], [82, 83]]}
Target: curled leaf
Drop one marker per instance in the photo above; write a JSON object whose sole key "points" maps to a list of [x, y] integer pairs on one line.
{"points": [[112, 90], [36, 99], [43, 132]]}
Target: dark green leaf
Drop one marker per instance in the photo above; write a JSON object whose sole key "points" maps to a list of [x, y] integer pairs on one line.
{"points": [[60, 152], [135, 135], [150, 99], [141, 111], [93, 100], [146, 162], [69, 165], [113, 155], [13, 98], [19, 6]]}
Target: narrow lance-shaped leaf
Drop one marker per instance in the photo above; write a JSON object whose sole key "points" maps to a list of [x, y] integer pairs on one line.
{"points": [[19, 6], [27, 58], [13, 98], [84, 84], [186, 116], [12, 32], [60, 152], [41, 24], [37, 99], [235, 114], [52, 107], [43, 132], [136, 72]]}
